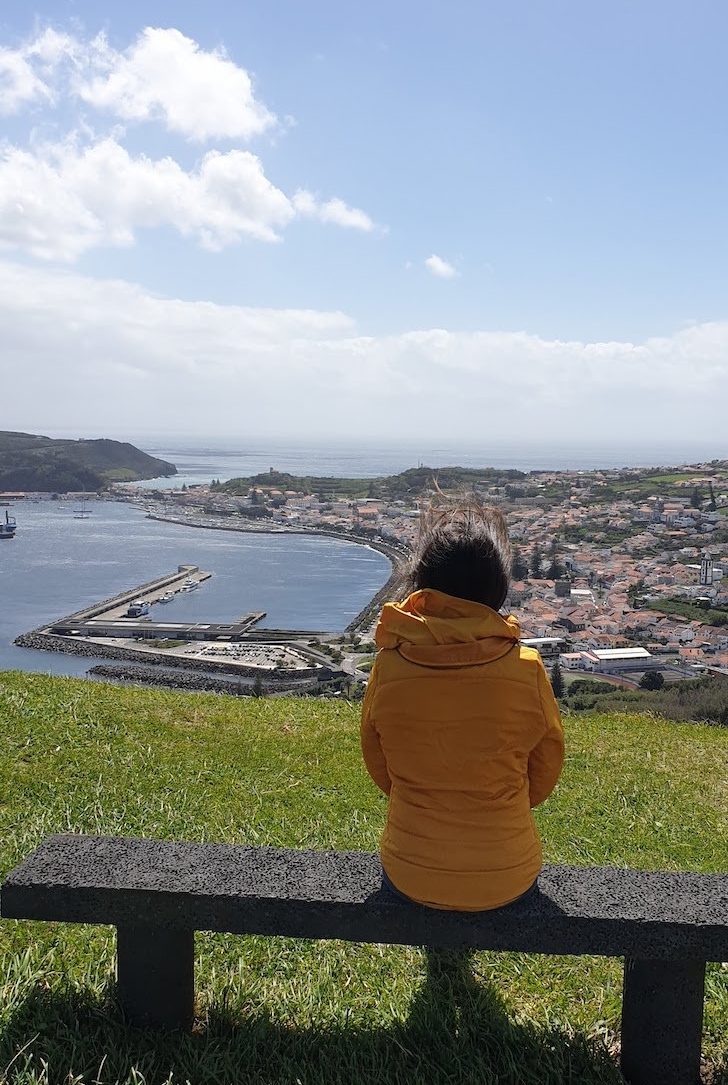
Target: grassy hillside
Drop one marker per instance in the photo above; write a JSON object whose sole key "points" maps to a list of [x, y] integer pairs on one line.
{"points": [[32, 462], [96, 758]]}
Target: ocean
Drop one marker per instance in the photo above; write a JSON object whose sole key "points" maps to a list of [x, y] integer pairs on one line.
{"points": [[200, 460]]}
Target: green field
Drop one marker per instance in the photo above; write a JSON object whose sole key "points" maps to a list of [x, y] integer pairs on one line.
{"points": [[707, 615], [88, 757]]}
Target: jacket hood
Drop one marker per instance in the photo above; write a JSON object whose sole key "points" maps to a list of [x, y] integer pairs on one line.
{"points": [[438, 630]]}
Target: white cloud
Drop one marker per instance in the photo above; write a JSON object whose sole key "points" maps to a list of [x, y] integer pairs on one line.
{"points": [[166, 76], [75, 348], [335, 211], [19, 84], [28, 74], [162, 76], [439, 267], [59, 200]]}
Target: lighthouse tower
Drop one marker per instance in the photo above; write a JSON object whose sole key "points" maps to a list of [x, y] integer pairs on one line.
{"points": [[706, 570]]}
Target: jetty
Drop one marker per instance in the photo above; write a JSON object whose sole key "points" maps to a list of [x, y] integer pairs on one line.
{"points": [[122, 628]]}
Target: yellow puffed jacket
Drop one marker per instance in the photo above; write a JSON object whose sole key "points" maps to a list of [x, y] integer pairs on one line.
{"points": [[461, 729]]}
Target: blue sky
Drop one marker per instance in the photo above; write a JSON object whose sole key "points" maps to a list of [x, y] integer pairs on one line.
{"points": [[565, 163]]}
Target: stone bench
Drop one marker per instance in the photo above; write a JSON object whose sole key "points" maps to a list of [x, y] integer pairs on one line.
{"points": [[158, 893]]}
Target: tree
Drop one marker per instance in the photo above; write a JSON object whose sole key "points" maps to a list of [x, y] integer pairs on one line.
{"points": [[536, 562], [652, 680], [712, 505], [557, 680], [519, 567], [258, 690], [634, 591], [695, 498], [555, 570]]}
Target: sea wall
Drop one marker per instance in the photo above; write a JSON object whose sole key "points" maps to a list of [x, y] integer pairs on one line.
{"points": [[196, 680], [52, 642]]}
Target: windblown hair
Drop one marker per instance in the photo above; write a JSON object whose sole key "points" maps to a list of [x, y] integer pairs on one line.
{"points": [[463, 549]]}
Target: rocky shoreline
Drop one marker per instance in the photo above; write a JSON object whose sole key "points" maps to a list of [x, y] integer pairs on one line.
{"points": [[196, 680], [52, 642]]}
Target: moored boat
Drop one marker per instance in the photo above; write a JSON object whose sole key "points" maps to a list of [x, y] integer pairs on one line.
{"points": [[8, 529]]}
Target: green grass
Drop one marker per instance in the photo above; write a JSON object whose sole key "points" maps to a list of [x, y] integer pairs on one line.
{"points": [[707, 615], [95, 758], [570, 677]]}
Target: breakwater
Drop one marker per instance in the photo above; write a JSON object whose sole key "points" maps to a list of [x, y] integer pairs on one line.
{"points": [[200, 681], [52, 642], [148, 588]]}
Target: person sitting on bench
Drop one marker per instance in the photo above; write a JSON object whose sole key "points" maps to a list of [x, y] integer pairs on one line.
{"points": [[460, 727]]}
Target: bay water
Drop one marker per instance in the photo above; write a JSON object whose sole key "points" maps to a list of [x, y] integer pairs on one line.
{"points": [[57, 564]]}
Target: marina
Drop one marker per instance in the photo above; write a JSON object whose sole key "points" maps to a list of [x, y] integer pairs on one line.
{"points": [[79, 568], [126, 617]]}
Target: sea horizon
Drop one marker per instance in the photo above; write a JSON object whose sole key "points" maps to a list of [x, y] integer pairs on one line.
{"points": [[200, 460]]}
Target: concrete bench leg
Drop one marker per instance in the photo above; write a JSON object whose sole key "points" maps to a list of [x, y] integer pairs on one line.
{"points": [[662, 1021], [155, 973]]}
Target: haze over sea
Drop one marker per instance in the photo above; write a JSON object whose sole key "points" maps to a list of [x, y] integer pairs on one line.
{"points": [[200, 459]]}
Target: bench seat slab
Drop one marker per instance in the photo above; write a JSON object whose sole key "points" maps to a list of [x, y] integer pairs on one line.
{"points": [[258, 890]]}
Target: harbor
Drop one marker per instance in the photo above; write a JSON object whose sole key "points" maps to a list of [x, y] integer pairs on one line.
{"points": [[59, 567], [105, 629]]}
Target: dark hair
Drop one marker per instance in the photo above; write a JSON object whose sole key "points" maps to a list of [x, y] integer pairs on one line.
{"points": [[462, 549]]}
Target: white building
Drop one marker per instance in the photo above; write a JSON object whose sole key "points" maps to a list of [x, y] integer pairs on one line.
{"points": [[706, 570], [547, 647], [611, 660]]}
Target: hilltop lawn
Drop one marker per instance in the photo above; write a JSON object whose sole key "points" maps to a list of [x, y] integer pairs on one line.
{"points": [[89, 757]]}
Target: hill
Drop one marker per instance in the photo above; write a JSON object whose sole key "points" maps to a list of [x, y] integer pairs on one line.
{"points": [[32, 462], [82, 756], [406, 484]]}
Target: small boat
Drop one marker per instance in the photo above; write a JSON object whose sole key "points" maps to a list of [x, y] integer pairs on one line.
{"points": [[138, 609], [82, 513], [167, 597], [190, 585], [8, 529]]}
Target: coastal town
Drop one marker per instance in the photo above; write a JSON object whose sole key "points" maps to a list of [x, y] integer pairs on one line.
{"points": [[617, 573], [614, 571]]}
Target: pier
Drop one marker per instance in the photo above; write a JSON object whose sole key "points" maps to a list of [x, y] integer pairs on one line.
{"points": [[110, 618], [105, 629]]}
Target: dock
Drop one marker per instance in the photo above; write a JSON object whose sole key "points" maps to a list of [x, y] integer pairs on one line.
{"points": [[109, 618], [122, 628]]}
